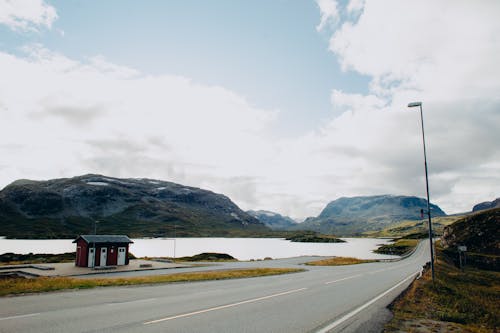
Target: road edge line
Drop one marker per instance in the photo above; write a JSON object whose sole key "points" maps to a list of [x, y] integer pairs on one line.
{"points": [[362, 307]]}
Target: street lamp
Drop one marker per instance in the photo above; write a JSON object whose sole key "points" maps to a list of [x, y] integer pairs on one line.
{"points": [[95, 233], [419, 104], [175, 238]]}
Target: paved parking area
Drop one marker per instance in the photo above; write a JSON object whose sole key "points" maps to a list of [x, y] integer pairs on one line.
{"points": [[69, 268]]}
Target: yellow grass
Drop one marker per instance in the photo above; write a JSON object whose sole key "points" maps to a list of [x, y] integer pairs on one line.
{"points": [[338, 261], [43, 284], [407, 242]]}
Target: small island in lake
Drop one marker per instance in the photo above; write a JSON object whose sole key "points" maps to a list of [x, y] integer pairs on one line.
{"points": [[310, 237]]}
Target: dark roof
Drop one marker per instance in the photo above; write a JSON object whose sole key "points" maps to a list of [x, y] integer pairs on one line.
{"points": [[104, 239]]}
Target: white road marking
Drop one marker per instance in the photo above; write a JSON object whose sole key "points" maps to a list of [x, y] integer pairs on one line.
{"points": [[362, 307], [135, 301], [346, 278], [20, 316], [392, 268], [224, 306]]}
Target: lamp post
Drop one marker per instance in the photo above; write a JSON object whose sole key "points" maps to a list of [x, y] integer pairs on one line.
{"points": [[175, 237], [95, 233], [419, 104]]}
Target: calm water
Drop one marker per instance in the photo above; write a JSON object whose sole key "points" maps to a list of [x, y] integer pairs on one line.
{"points": [[240, 248]]}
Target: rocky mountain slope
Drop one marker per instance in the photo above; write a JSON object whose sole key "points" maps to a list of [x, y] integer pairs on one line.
{"points": [[480, 233], [356, 215], [487, 205], [273, 220], [64, 208]]}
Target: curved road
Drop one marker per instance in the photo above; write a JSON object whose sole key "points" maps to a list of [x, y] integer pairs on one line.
{"points": [[322, 299]]}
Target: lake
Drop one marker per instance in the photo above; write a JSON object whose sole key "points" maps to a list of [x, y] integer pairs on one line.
{"points": [[240, 248]]}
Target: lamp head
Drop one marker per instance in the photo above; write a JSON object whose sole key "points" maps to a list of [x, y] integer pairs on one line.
{"points": [[414, 104]]}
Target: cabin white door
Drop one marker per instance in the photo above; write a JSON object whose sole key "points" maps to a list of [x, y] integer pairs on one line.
{"points": [[91, 257], [121, 256], [104, 256]]}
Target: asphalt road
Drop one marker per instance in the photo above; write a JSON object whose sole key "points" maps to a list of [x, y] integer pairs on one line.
{"points": [[323, 299]]}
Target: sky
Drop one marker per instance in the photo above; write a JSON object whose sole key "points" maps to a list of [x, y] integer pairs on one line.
{"points": [[281, 105]]}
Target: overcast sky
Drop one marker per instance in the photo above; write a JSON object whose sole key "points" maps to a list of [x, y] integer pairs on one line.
{"points": [[281, 105]]}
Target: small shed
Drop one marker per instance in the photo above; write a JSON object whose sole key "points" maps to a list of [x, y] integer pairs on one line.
{"points": [[101, 250]]}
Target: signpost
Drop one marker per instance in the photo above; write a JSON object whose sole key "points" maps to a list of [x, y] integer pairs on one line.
{"points": [[461, 251]]}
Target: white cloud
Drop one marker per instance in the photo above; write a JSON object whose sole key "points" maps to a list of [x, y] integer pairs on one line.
{"points": [[329, 13], [355, 6], [26, 14], [444, 54], [356, 101], [68, 117], [446, 48]]}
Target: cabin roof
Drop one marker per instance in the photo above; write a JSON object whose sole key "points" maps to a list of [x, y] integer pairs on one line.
{"points": [[104, 239]]}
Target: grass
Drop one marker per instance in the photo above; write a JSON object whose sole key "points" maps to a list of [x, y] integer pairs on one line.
{"points": [[313, 237], [339, 261], [399, 247], [207, 256], [11, 286], [459, 301]]}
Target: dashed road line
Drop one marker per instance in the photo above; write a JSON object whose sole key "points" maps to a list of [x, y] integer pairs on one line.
{"points": [[20, 316], [224, 306], [132, 302], [343, 279]]}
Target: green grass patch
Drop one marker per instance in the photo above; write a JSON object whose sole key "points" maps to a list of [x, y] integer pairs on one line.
{"points": [[313, 237], [399, 247], [465, 301], [208, 256], [205, 256], [10, 286], [339, 261]]}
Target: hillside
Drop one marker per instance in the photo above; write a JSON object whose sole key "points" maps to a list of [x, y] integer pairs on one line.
{"points": [[480, 233], [463, 298], [273, 220], [64, 208], [357, 215], [487, 205], [408, 227]]}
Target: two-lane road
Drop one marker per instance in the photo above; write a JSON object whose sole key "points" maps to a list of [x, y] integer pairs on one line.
{"points": [[319, 300]]}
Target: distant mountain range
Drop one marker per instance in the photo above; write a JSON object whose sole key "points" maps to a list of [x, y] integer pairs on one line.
{"points": [[273, 220], [65, 208], [356, 215]]}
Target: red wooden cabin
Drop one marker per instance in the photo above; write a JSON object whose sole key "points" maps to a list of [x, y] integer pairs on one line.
{"points": [[101, 250]]}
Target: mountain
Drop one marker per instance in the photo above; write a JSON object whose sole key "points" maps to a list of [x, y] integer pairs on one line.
{"points": [[65, 208], [480, 234], [273, 220], [487, 205], [356, 215]]}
